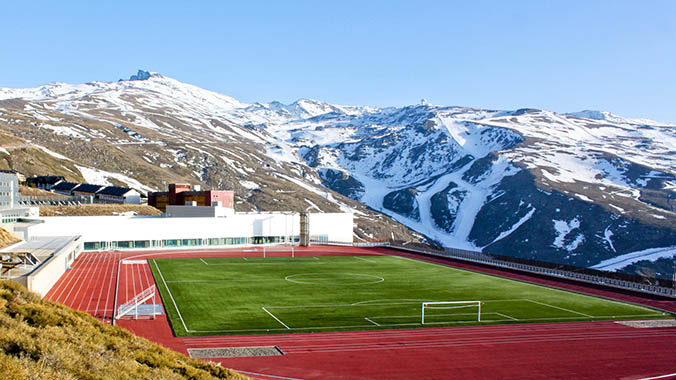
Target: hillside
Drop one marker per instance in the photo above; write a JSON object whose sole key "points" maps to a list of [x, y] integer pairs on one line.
{"points": [[7, 239], [575, 188], [45, 340]]}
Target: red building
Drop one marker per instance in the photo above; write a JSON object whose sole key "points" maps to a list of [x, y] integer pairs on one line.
{"points": [[181, 193]]}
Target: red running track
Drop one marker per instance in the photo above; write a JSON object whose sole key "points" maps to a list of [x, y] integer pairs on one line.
{"points": [[585, 350]]}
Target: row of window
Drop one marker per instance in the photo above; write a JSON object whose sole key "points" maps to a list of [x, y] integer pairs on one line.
{"points": [[9, 218], [172, 243]]}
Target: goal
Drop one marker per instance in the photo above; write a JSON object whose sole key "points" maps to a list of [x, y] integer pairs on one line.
{"points": [[452, 308], [279, 250]]}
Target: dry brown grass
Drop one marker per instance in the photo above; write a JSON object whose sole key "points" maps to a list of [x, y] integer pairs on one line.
{"points": [[7, 239], [33, 192], [45, 340], [98, 210]]}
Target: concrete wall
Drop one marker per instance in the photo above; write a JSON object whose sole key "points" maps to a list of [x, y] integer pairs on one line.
{"points": [[42, 279], [338, 227], [198, 211]]}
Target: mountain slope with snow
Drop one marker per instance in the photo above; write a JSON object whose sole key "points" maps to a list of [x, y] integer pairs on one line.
{"points": [[575, 188]]}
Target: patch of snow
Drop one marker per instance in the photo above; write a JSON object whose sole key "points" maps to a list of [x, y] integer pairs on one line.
{"points": [[249, 185], [64, 131], [3, 150], [52, 153], [619, 262], [516, 225], [607, 234], [100, 177], [564, 228], [584, 198]]}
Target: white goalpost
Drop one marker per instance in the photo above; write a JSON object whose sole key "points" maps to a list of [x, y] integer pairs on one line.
{"points": [[268, 250], [451, 305]]}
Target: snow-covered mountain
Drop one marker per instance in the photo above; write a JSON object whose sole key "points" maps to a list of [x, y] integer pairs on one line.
{"points": [[579, 188]]}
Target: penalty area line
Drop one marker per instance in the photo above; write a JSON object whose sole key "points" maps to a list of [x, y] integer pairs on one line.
{"points": [[276, 319], [558, 307], [367, 260]]}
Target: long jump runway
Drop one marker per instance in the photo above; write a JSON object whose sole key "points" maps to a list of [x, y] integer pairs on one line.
{"points": [[583, 350]]}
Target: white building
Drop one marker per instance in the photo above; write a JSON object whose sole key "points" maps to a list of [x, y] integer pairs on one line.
{"points": [[239, 229], [115, 194], [10, 210]]}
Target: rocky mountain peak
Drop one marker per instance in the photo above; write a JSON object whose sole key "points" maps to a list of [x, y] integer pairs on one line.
{"points": [[143, 75]]}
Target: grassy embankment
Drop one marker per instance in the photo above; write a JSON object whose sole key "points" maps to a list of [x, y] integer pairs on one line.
{"points": [[7, 239], [98, 210], [46, 340]]}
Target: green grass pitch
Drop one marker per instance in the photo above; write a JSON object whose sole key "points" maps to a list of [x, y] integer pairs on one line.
{"points": [[225, 296]]}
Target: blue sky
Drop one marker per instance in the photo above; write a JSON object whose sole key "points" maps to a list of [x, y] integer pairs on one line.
{"points": [[564, 56]]}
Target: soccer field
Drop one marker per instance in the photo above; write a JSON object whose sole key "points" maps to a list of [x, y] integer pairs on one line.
{"points": [[226, 296]]}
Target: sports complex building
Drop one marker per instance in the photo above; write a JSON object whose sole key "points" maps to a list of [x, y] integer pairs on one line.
{"points": [[286, 295]]}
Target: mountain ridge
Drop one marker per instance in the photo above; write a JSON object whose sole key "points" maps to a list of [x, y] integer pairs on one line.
{"points": [[459, 176]]}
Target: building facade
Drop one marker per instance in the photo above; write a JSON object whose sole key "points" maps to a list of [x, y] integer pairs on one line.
{"points": [[180, 194], [10, 211], [240, 229]]}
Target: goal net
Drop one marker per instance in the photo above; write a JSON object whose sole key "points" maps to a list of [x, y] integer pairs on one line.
{"points": [[446, 311], [279, 250]]}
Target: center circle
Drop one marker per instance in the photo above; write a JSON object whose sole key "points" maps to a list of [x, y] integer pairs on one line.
{"points": [[334, 278]]}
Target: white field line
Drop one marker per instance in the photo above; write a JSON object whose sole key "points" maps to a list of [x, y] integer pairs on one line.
{"points": [[367, 260], [659, 377], [298, 262], [504, 315], [368, 319], [276, 319], [483, 322], [245, 280], [205, 263], [171, 296], [597, 298], [560, 308], [426, 334], [340, 305]]}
